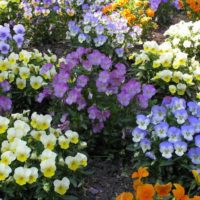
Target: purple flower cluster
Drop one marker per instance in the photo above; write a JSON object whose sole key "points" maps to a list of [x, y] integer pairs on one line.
{"points": [[87, 74], [98, 118], [133, 89], [6, 37], [174, 127], [5, 104]]}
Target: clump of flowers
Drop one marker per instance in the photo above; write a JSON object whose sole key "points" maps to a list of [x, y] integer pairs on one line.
{"points": [[143, 189], [88, 80], [112, 32], [136, 12], [27, 71], [169, 134], [45, 15], [35, 155], [9, 38], [60, 8], [169, 68], [185, 36], [41, 7]]}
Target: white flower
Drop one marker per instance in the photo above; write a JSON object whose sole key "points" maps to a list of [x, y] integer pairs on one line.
{"points": [[82, 158], [165, 75], [21, 83], [24, 72], [21, 175], [4, 171], [7, 157], [48, 167], [63, 142], [5, 146], [72, 163], [187, 44], [73, 136], [17, 143], [48, 154], [3, 124], [36, 82], [22, 153], [175, 41], [22, 126], [61, 186], [48, 141], [33, 175]]}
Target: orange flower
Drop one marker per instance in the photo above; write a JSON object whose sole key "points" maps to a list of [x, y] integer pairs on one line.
{"points": [[180, 3], [150, 12], [163, 190], [106, 9], [179, 193], [145, 192], [125, 196], [137, 183], [125, 12], [142, 172], [195, 198]]}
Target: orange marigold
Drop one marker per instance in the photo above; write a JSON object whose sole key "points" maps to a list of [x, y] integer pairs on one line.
{"points": [[137, 183], [163, 190], [125, 196], [179, 192], [150, 12], [145, 192], [142, 172]]}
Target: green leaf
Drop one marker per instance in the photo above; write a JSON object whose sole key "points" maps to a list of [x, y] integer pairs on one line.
{"points": [[166, 163]]}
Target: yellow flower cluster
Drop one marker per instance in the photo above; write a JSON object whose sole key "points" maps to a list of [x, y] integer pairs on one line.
{"points": [[23, 69], [32, 150], [168, 66]]}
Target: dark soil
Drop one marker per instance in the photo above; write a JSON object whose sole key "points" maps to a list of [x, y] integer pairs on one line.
{"points": [[109, 178]]}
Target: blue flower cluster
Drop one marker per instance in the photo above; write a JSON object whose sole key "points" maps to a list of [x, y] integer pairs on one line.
{"points": [[173, 128], [98, 29], [6, 37]]}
